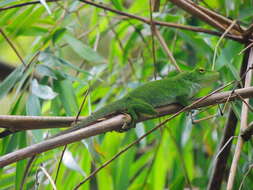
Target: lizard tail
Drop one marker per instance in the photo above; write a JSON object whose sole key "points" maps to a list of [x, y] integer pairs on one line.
{"points": [[107, 110]]}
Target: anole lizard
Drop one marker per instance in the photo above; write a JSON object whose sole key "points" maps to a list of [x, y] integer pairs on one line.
{"points": [[144, 99]]}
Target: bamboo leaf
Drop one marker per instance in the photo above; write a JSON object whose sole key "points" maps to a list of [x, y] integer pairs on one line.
{"points": [[83, 50], [42, 91]]}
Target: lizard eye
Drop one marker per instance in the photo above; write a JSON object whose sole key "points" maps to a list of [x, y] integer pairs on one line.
{"points": [[201, 70]]}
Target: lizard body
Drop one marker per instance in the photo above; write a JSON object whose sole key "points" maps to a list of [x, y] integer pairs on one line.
{"points": [[143, 100]]}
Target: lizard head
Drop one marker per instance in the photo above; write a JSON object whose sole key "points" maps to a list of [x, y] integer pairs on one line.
{"points": [[203, 76]]}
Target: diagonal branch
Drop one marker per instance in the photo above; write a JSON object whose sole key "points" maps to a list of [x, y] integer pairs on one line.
{"points": [[166, 49], [220, 18], [113, 124], [207, 16], [161, 23], [142, 19], [12, 46]]}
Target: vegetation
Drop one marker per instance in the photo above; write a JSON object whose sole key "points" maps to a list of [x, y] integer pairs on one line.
{"points": [[59, 55]]}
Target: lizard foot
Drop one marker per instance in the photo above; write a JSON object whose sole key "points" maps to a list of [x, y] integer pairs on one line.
{"points": [[126, 126]]}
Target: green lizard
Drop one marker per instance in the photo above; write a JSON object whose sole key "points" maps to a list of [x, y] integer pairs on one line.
{"points": [[144, 99]]}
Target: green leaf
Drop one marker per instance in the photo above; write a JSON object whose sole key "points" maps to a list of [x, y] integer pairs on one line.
{"points": [[83, 50], [71, 163], [228, 53], [42, 91], [33, 31], [21, 165], [51, 60], [44, 70], [33, 105], [117, 4], [196, 42], [58, 34], [6, 181], [66, 93]]}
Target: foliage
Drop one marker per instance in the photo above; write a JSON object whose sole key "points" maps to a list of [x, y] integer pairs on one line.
{"points": [[71, 46]]}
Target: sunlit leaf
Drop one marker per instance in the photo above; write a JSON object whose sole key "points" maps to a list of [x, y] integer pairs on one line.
{"points": [[43, 2], [42, 91], [71, 163], [33, 31]]}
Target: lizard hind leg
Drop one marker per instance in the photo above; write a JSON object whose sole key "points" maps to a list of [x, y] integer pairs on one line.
{"points": [[136, 107]]}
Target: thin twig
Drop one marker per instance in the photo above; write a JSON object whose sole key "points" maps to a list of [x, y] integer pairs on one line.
{"points": [[81, 107], [161, 23], [59, 164], [166, 49], [226, 103], [48, 177], [13, 47], [244, 49], [218, 17], [152, 29], [246, 174], [29, 164], [224, 146], [245, 102], [196, 11], [204, 119], [219, 41], [121, 45], [76, 120]]}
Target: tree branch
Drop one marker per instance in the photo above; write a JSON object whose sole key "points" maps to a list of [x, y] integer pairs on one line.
{"points": [[142, 19], [237, 29], [161, 23], [25, 4], [20, 122], [113, 123], [209, 17]]}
